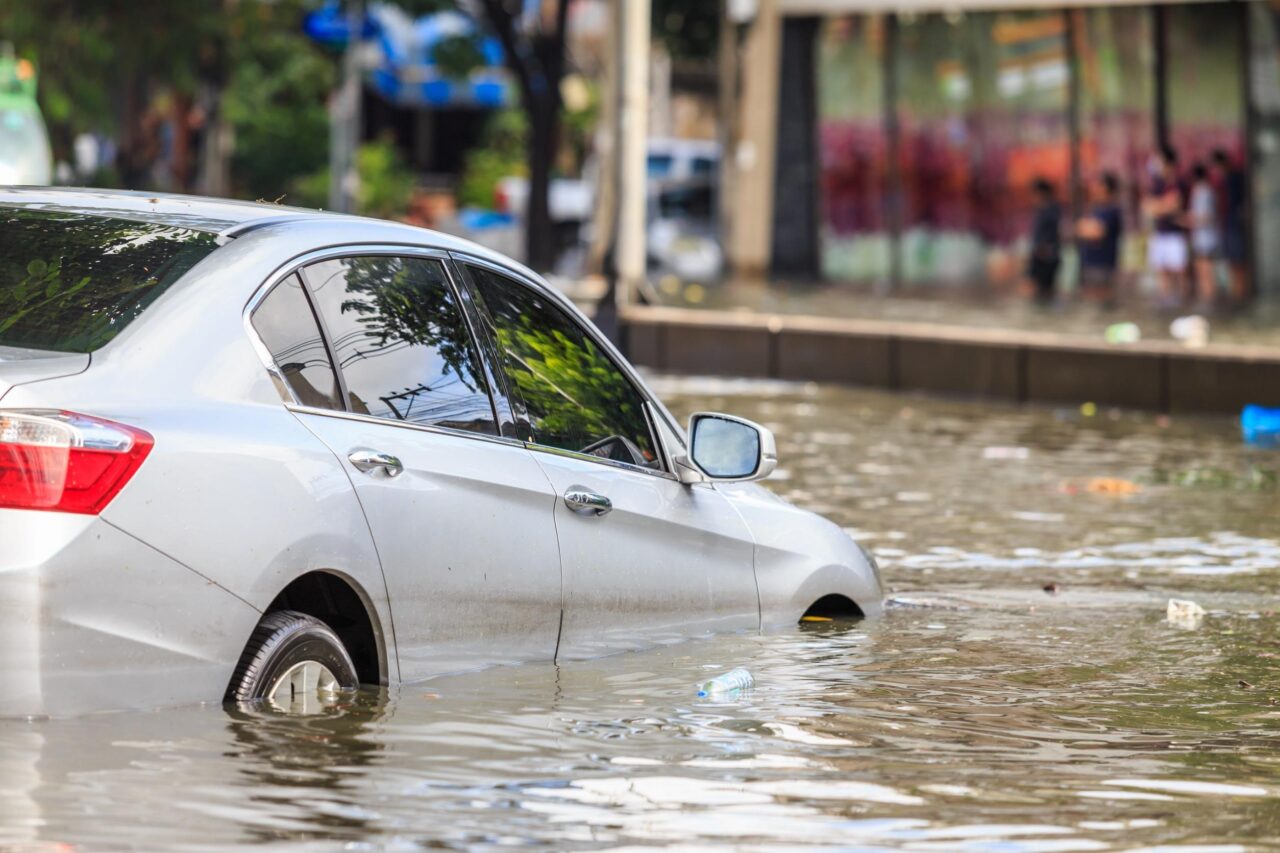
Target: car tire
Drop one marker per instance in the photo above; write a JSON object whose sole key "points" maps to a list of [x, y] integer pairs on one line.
{"points": [[295, 662]]}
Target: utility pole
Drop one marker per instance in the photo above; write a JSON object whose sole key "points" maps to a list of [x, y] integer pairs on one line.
{"points": [[344, 118], [633, 148]]}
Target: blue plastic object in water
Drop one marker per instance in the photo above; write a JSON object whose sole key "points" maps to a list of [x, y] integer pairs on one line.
{"points": [[1261, 426], [733, 681]]}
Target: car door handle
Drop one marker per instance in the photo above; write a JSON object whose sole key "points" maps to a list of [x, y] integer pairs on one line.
{"points": [[581, 500], [371, 462]]}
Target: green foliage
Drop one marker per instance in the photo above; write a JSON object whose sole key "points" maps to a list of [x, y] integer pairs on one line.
{"points": [[275, 103], [501, 152], [1255, 478], [87, 51], [689, 29], [503, 149], [386, 183], [457, 56]]}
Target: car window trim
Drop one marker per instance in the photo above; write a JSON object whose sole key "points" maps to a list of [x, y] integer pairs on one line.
{"points": [[305, 280], [296, 265], [486, 347], [615, 358], [303, 409], [612, 463]]}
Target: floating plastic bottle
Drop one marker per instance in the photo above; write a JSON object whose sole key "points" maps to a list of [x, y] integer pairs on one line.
{"points": [[1261, 426], [733, 681]]}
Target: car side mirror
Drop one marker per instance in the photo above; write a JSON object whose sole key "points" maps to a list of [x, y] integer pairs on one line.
{"points": [[726, 448]]}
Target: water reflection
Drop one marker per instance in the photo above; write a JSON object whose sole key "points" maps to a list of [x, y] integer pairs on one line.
{"points": [[982, 712]]}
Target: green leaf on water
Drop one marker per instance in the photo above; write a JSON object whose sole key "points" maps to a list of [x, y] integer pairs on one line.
{"points": [[37, 268]]}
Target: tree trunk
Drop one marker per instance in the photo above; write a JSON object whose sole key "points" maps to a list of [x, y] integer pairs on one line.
{"points": [[540, 243]]}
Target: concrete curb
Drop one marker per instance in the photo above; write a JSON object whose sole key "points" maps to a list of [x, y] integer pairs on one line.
{"points": [[995, 364]]}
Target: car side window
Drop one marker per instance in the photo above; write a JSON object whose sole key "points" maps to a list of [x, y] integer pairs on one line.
{"points": [[285, 323], [575, 397], [401, 342]]}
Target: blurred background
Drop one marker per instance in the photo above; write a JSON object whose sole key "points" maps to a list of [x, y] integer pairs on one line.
{"points": [[991, 163]]}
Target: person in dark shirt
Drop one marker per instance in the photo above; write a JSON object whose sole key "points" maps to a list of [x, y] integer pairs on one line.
{"points": [[1098, 235], [1168, 253], [1046, 242], [1232, 187]]}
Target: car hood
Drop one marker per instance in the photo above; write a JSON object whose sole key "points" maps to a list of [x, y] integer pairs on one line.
{"points": [[18, 366]]}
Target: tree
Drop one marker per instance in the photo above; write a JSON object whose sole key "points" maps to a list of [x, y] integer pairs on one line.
{"points": [[689, 29], [534, 52]]}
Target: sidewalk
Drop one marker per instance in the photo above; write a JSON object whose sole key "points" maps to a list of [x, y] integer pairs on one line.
{"points": [[1257, 326], [1005, 350]]}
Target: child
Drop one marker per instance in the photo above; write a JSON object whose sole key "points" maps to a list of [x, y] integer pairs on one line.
{"points": [[1046, 242], [1206, 236], [1099, 234]]}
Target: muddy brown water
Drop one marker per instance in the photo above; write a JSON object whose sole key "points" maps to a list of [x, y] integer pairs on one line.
{"points": [[981, 712]]}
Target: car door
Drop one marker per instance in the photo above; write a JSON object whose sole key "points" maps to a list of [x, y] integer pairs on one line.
{"points": [[461, 514], [645, 559]]}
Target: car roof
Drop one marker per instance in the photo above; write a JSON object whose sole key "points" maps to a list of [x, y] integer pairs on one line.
{"points": [[194, 212], [229, 217]]}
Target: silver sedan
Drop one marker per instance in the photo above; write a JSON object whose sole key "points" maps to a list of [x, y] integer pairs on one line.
{"points": [[254, 453]]}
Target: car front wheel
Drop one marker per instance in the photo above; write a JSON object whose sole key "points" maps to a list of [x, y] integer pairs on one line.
{"points": [[294, 662]]}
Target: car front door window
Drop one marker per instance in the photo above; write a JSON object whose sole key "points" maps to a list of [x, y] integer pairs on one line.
{"points": [[573, 394]]}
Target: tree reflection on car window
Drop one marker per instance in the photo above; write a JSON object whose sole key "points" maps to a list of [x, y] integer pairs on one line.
{"points": [[576, 398], [71, 282], [401, 341]]}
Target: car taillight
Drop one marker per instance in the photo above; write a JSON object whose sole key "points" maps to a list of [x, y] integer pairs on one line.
{"points": [[65, 462]]}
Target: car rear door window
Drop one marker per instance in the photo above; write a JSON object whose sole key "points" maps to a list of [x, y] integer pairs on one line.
{"points": [[287, 327], [401, 342], [575, 397]]}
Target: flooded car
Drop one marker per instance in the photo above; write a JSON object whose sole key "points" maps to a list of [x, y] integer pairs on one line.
{"points": [[260, 453]]}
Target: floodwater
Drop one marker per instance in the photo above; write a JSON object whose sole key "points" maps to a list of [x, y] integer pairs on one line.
{"points": [[982, 712]]}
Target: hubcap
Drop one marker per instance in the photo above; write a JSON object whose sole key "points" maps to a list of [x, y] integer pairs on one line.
{"points": [[304, 688]]}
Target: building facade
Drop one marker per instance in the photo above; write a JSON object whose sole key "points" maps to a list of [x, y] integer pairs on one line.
{"points": [[902, 143]]}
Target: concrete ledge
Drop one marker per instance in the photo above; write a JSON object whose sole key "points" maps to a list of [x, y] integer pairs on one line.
{"points": [[822, 356], [1206, 382], [959, 367], [1116, 377], [730, 350], [988, 363]]}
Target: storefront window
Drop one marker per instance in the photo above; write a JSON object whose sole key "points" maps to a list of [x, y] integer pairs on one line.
{"points": [[1204, 78], [935, 186], [1264, 51], [982, 103], [1115, 52], [853, 148]]}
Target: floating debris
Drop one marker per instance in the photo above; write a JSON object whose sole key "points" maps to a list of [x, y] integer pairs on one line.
{"points": [[1184, 614]]}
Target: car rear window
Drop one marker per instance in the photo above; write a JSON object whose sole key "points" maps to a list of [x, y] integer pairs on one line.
{"points": [[70, 282]]}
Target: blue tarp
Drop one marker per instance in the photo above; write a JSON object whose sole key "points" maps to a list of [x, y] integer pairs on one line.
{"points": [[407, 73]]}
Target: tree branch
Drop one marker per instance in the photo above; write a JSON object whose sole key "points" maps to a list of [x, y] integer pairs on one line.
{"points": [[503, 22], [553, 48]]}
